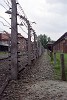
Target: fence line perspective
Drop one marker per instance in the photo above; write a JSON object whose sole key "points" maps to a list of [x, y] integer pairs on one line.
{"points": [[20, 51]]}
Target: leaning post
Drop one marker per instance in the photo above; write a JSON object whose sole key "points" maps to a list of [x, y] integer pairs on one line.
{"points": [[62, 67]]}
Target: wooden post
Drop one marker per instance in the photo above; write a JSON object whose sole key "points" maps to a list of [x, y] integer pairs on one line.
{"points": [[62, 67], [54, 58], [14, 45], [29, 45], [51, 55]]}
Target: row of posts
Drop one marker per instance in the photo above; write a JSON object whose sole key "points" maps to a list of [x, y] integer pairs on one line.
{"points": [[14, 41], [63, 77]]}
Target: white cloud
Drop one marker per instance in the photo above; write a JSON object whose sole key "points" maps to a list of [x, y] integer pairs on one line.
{"points": [[56, 1], [50, 16]]}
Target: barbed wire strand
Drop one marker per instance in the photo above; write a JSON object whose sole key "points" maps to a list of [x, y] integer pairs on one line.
{"points": [[22, 11], [4, 24], [6, 9], [23, 30], [7, 3]]}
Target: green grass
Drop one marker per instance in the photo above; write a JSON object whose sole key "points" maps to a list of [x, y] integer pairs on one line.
{"points": [[3, 53], [65, 58], [57, 67]]}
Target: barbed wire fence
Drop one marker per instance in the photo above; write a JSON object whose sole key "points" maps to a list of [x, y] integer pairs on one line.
{"points": [[21, 50]]}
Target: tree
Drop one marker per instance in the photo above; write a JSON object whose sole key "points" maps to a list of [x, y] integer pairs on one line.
{"points": [[44, 40], [49, 39]]}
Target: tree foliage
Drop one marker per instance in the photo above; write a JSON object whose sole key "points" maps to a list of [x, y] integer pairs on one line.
{"points": [[44, 40]]}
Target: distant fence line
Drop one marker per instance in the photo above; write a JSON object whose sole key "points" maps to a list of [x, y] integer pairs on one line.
{"points": [[53, 58]]}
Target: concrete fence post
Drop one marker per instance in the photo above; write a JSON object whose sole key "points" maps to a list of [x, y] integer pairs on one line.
{"points": [[63, 77], [29, 45], [14, 45], [34, 47]]}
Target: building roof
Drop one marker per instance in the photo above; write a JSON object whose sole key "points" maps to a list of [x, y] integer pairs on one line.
{"points": [[4, 36], [61, 38], [50, 43], [20, 36]]}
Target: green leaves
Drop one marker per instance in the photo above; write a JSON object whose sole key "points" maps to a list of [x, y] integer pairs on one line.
{"points": [[44, 40]]}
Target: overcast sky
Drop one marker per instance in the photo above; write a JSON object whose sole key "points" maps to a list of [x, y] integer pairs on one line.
{"points": [[50, 16]]}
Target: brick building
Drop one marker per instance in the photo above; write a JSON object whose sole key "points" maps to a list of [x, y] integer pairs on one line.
{"points": [[50, 45], [61, 44], [4, 41], [22, 43]]}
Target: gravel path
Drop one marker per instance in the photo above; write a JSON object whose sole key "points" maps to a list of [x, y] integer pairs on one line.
{"points": [[40, 71], [4, 70], [36, 83]]}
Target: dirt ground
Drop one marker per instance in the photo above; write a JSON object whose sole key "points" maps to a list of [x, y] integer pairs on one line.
{"points": [[36, 83]]}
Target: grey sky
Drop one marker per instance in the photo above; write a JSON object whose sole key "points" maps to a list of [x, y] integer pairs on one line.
{"points": [[50, 16]]}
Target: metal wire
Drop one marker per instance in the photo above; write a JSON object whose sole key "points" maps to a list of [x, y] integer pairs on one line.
{"points": [[23, 22], [6, 21], [7, 3], [18, 13], [3, 30], [9, 6], [23, 30], [3, 6], [21, 8], [4, 24]]}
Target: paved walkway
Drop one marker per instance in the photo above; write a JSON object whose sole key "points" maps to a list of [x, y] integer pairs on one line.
{"points": [[37, 83]]}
